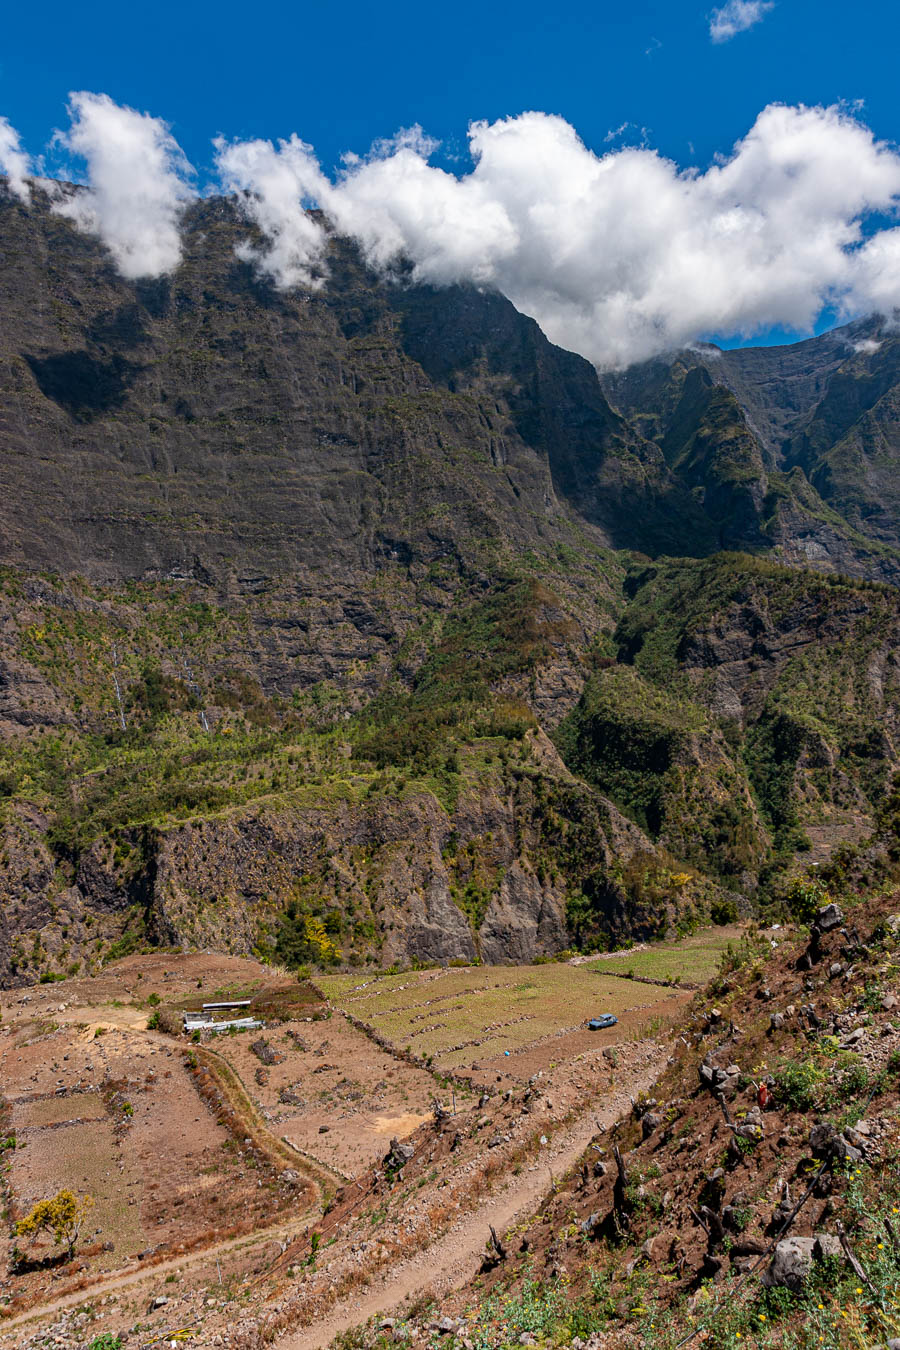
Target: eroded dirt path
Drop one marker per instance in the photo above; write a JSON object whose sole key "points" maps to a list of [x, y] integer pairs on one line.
{"points": [[454, 1257], [134, 1276]]}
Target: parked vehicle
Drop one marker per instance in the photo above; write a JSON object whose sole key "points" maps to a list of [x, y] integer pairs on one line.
{"points": [[602, 1022]]}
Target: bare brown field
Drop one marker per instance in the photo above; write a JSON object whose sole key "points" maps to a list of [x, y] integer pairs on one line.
{"points": [[333, 1094], [102, 1107], [204, 1159], [33, 1113], [160, 1167]]}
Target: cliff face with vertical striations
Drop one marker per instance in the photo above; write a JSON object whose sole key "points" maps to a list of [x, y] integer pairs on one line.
{"points": [[335, 613]]}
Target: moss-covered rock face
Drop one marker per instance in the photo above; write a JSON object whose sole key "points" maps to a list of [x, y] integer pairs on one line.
{"points": [[752, 715], [295, 591], [669, 766]]}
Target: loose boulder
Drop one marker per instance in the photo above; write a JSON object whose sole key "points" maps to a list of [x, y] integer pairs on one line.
{"points": [[793, 1258], [828, 917], [399, 1154]]}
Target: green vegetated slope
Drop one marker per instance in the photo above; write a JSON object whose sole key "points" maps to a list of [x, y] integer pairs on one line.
{"points": [[749, 717], [433, 821], [747, 720], [329, 630]]}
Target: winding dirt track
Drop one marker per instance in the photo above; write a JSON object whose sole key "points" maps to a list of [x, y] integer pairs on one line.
{"points": [[454, 1258], [444, 1265], [114, 1284]]}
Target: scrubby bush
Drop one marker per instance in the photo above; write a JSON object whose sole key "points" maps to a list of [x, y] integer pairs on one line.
{"points": [[800, 1084], [60, 1217]]}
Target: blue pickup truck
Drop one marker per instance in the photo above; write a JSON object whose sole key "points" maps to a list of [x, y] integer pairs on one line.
{"points": [[602, 1022]]}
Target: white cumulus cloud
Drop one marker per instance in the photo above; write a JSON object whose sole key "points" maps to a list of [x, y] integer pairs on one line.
{"points": [[618, 256], [273, 186], [736, 16], [875, 272], [138, 184], [13, 161]]}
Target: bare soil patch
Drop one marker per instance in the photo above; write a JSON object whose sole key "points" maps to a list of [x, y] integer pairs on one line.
{"points": [[329, 1088], [102, 1107]]}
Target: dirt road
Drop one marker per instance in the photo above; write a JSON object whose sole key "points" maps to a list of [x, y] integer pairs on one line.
{"points": [[455, 1256], [132, 1276], [444, 1265]]}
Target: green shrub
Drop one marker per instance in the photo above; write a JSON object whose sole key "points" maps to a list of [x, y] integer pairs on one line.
{"points": [[804, 896], [853, 1080], [800, 1084]]}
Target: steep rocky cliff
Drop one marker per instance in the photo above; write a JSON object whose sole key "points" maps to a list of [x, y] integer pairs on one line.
{"points": [[794, 448], [296, 590]]}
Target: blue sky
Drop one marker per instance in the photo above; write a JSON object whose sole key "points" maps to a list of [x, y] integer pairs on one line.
{"points": [[344, 75], [645, 73]]}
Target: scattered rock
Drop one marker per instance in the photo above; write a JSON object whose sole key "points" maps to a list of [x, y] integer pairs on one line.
{"points": [[829, 916], [265, 1052], [825, 1142], [827, 1245], [399, 1154], [790, 1265]]}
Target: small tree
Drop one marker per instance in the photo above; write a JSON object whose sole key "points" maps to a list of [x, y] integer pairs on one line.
{"points": [[62, 1217]]}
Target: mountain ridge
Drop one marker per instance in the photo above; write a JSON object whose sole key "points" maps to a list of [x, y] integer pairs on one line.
{"points": [[347, 610]]}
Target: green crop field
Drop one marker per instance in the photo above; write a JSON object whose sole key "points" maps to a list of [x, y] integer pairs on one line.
{"points": [[465, 1014], [693, 961]]}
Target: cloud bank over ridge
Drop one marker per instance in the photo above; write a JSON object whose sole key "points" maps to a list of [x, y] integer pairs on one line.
{"points": [[139, 182], [619, 256]]}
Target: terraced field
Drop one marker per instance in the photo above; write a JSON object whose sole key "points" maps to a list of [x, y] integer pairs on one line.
{"points": [[692, 961], [462, 1018], [472, 1016]]}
